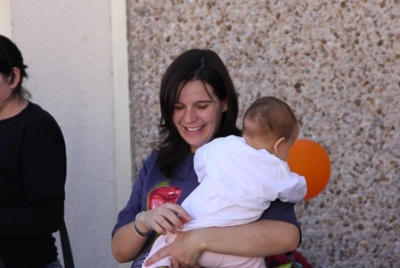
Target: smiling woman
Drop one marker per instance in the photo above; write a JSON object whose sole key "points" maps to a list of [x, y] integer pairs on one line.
{"points": [[198, 103], [203, 71]]}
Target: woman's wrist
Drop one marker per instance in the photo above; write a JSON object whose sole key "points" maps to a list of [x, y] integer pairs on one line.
{"points": [[200, 238], [139, 227]]}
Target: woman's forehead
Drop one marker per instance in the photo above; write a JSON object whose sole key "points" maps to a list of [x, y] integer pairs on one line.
{"points": [[195, 89]]}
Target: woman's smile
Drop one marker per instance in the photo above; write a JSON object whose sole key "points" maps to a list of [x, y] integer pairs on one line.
{"points": [[193, 129]]}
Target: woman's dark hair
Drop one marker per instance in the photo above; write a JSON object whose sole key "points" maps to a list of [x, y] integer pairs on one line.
{"points": [[200, 65], [10, 57]]}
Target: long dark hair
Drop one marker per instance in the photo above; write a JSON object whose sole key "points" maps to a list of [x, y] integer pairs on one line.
{"points": [[10, 57], [195, 64]]}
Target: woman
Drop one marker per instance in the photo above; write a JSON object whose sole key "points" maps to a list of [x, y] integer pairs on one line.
{"points": [[198, 103], [32, 171]]}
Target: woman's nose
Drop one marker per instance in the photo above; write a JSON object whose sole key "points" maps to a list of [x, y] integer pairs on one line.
{"points": [[190, 116]]}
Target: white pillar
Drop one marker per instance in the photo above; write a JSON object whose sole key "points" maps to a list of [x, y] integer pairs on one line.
{"points": [[5, 22]]}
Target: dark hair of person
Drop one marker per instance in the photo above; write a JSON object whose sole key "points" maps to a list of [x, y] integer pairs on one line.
{"points": [[269, 117], [11, 57], [193, 65]]}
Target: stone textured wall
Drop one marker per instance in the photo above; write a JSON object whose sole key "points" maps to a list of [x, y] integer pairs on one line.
{"points": [[337, 63]]}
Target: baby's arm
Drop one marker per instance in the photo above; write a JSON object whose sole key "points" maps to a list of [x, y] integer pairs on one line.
{"points": [[295, 189]]}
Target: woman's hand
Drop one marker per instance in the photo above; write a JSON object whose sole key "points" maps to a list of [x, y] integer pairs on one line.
{"points": [[165, 218], [127, 243], [184, 251]]}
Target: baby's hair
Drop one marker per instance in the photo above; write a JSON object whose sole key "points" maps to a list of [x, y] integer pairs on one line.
{"points": [[269, 117]]}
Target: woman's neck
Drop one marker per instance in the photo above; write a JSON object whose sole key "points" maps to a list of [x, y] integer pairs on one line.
{"points": [[12, 107]]}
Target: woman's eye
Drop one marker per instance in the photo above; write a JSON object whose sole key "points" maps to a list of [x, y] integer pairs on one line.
{"points": [[178, 107], [202, 106]]}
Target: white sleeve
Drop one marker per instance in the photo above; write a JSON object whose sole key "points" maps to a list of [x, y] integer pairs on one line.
{"points": [[200, 164], [295, 189]]}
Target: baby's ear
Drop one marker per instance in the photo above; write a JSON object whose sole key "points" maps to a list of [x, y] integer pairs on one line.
{"points": [[277, 143]]}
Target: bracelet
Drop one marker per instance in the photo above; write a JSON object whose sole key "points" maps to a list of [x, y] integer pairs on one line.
{"points": [[135, 223]]}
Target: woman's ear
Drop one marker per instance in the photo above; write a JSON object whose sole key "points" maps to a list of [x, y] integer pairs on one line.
{"points": [[224, 105], [277, 143], [16, 77]]}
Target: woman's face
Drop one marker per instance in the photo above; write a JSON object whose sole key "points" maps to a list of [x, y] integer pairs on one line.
{"points": [[5, 89], [197, 113]]}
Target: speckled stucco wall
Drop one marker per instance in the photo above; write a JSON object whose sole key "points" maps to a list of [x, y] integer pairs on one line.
{"points": [[337, 63]]}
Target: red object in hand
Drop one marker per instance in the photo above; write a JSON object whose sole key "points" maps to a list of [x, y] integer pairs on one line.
{"points": [[162, 195]]}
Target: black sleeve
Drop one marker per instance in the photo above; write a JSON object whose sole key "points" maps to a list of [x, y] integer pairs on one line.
{"points": [[281, 211], [40, 218]]}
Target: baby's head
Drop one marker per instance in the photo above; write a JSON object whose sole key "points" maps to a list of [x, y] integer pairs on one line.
{"points": [[269, 123]]}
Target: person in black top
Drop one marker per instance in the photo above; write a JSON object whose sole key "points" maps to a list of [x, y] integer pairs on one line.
{"points": [[32, 171]]}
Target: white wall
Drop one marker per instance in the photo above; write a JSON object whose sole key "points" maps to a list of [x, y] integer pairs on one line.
{"points": [[5, 23], [74, 74]]}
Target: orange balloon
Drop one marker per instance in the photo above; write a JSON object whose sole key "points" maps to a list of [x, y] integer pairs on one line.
{"points": [[309, 159]]}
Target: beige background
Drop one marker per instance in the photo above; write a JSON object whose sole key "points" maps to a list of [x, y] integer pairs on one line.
{"points": [[336, 63]]}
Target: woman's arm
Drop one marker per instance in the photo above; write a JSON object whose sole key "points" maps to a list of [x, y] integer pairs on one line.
{"points": [[260, 238], [127, 243], [276, 233]]}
